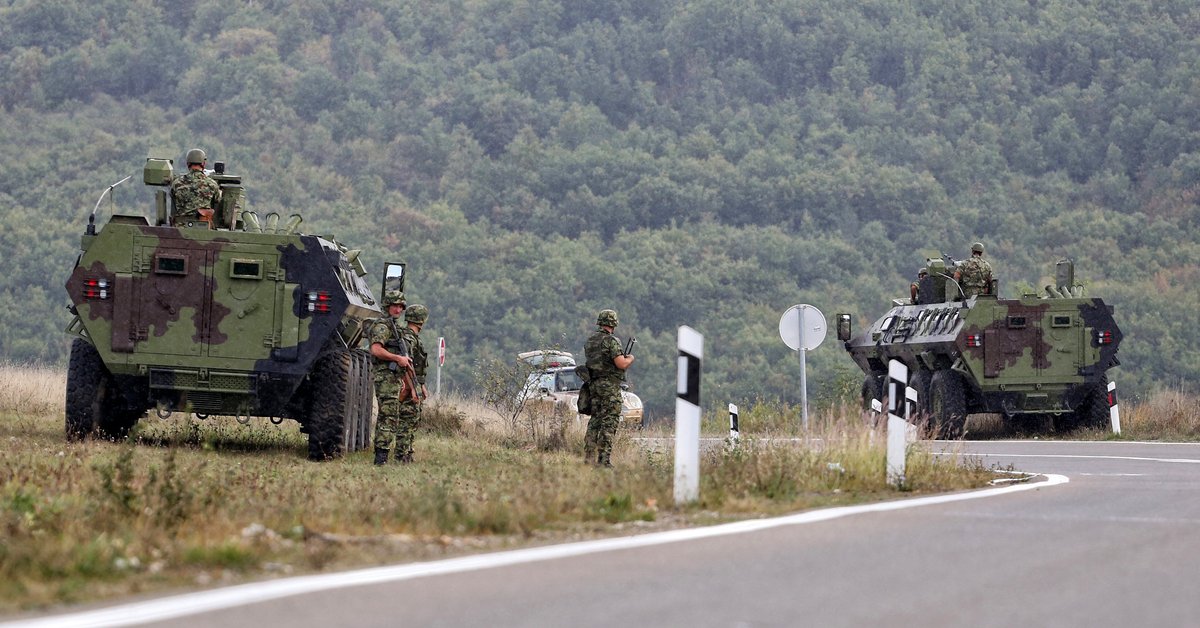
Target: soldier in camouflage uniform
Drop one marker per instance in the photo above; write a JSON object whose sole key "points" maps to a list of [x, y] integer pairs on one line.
{"points": [[388, 348], [914, 288], [606, 363], [975, 273], [410, 407], [196, 194]]}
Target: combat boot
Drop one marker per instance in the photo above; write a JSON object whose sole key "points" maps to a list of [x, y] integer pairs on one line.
{"points": [[404, 458], [381, 456]]}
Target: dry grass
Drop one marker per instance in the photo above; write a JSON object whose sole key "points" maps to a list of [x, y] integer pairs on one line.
{"points": [[31, 390], [1169, 415], [196, 503]]}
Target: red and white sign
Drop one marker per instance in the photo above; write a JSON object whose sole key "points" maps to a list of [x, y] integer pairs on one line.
{"points": [[441, 351]]}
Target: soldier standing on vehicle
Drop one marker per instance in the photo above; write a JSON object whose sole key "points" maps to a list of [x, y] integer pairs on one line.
{"points": [[410, 406], [606, 363], [196, 194], [914, 288], [974, 276], [392, 362]]}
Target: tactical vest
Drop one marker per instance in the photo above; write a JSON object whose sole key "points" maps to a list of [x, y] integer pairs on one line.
{"points": [[395, 343], [599, 360], [416, 351]]}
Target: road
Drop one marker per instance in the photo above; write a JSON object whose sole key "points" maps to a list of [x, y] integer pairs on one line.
{"points": [[1111, 538]]}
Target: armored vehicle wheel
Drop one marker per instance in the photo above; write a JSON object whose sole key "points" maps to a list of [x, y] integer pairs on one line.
{"points": [[87, 385], [872, 388], [330, 391], [1092, 412], [947, 404], [919, 381]]}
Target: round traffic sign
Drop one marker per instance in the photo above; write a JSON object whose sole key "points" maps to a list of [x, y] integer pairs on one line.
{"points": [[802, 327]]}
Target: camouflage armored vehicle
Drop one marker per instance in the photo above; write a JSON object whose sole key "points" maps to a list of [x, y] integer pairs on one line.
{"points": [[248, 318], [1041, 359]]}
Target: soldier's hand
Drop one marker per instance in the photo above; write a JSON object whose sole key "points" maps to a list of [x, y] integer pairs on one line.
{"points": [[403, 361]]}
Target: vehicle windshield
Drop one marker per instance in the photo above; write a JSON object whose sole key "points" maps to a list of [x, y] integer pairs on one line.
{"points": [[567, 381]]}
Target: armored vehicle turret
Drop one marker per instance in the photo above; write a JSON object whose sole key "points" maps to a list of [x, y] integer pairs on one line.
{"points": [[230, 315], [1041, 359]]}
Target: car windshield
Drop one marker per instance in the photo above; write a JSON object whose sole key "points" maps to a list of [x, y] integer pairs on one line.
{"points": [[567, 381]]}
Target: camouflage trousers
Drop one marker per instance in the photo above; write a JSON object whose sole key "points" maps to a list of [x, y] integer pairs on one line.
{"points": [[602, 427], [397, 420]]}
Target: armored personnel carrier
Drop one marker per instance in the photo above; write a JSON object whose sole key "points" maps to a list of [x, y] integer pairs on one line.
{"points": [[1041, 360], [234, 316]]}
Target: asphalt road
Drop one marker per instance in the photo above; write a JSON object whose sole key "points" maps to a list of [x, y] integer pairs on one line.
{"points": [[1115, 542]]}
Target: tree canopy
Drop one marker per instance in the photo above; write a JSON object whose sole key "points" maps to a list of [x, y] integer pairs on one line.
{"points": [[695, 162]]}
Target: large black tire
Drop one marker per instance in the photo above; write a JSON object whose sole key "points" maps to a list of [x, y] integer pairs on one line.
{"points": [[1092, 412], [330, 391], [947, 404], [87, 387], [872, 388], [919, 381]]}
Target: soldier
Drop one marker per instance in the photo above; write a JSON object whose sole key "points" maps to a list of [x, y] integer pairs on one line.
{"points": [[388, 349], [974, 276], [606, 362], [410, 406], [196, 194], [914, 288]]}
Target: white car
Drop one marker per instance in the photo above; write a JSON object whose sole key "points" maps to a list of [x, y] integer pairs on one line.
{"points": [[556, 381]]}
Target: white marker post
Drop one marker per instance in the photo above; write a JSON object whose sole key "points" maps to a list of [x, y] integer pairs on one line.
{"points": [[437, 391], [897, 405], [687, 416], [733, 424], [1114, 413]]}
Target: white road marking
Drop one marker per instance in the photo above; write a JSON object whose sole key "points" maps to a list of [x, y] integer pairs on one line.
{"points": [[1091, 457], [173, 607]]}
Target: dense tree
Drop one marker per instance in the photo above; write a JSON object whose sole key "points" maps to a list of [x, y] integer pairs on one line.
{"points": [[686, 161]]}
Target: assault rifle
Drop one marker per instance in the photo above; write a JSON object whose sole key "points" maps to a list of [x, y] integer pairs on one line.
{"points": [[408, 378], [629, 346]]}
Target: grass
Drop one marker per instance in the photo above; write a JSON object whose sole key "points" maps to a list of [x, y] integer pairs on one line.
{"points": [[190, 503]]}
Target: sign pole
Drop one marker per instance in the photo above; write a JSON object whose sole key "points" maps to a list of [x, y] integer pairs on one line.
{"points": [[803, 373], [687, 416], [802, 328]]}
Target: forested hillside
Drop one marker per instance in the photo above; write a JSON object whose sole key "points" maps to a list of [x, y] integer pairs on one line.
{"points": [[700, 162]]}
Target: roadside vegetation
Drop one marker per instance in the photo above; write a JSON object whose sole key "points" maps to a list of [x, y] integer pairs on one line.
{"points": [[195, 503], [189, 502]]}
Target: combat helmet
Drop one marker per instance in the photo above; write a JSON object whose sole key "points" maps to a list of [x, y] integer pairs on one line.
{"points": [[607, 318], [196, 156], [977, 247], [392, 297], [922, 271], [416, 314]]}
